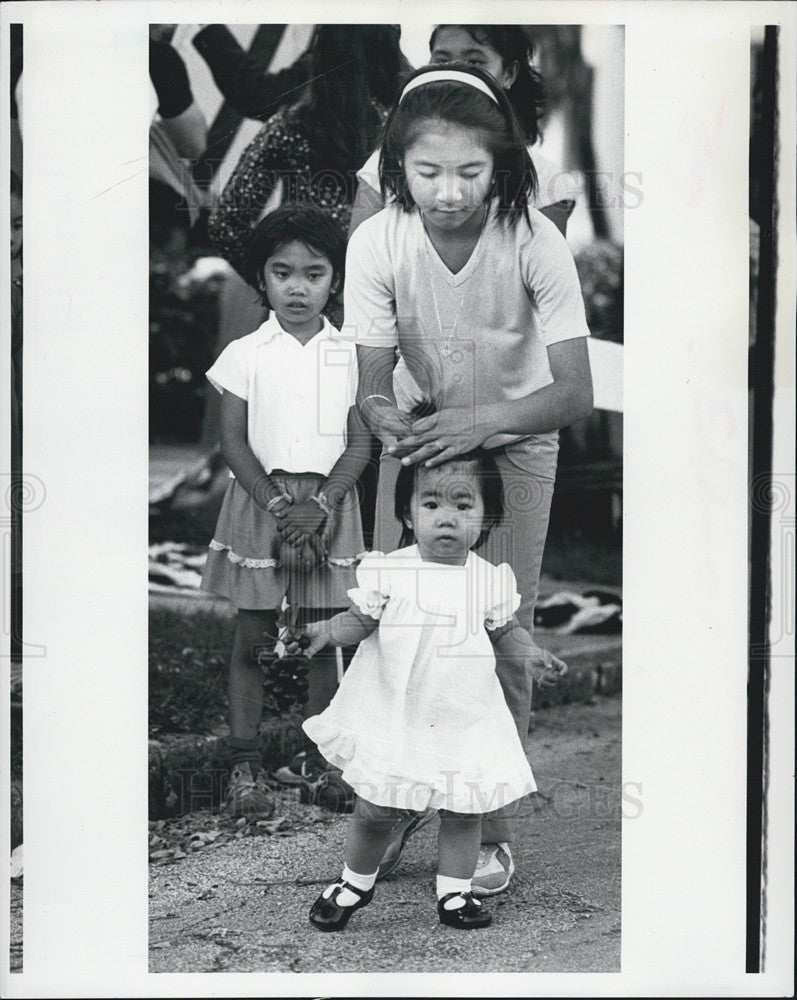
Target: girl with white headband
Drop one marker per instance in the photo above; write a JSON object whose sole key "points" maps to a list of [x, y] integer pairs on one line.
{"points": [[506, 52], [479, 293]]}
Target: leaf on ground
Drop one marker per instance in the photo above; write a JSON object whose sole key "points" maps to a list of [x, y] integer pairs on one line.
{"points": [[272, 825]]}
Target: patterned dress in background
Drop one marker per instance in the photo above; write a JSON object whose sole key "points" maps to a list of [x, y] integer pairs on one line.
{"points": [[279, 152]]}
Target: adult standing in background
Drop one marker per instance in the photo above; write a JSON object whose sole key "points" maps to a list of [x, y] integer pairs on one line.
{"points": [[245, 83], [311, 150]]}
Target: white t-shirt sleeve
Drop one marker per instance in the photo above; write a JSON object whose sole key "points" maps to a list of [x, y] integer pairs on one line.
{"points": [[549, 272], [369, 305], [369, 171], [230, 371]]}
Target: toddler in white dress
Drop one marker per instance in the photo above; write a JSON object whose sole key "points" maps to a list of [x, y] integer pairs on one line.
{"points": [[420, 720]]}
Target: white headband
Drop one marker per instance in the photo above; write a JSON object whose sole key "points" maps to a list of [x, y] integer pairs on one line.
{"points": [[448, 76]]}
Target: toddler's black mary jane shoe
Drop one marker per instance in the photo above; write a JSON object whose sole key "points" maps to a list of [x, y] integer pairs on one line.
{"points": [[469, 917], [327, 915]]}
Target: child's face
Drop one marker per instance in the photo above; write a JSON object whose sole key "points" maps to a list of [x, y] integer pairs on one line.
{"points": [[449, 171], [298, 282], [446, 513], [454, 44], [16, 227]]}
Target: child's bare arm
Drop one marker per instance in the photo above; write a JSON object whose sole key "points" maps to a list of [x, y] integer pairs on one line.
{"points": [[513, 642], [346, 629], [241, 459]]}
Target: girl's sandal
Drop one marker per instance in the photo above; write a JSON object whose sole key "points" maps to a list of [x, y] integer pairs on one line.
{"points": [[327, 915], [469, 917]]}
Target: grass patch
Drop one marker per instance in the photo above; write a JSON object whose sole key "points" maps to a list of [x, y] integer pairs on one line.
{"points": [[188, 665]]}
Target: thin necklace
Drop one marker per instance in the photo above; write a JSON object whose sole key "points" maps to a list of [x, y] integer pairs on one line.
{"points": [[445, 349]]}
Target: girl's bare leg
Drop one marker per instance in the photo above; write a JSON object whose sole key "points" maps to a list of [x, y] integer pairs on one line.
{"points": [[458, 844], [254, 630], [368, 835]]}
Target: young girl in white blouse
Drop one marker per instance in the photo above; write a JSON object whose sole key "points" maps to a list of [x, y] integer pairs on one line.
{"points": [[289, 525], [419, 720]]}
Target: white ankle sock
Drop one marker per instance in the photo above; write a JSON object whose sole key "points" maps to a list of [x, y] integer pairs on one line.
{"points": [[346, 897], [445, 885]]}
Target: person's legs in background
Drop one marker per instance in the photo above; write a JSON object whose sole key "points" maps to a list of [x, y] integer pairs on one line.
{"points": [[520, 541]]}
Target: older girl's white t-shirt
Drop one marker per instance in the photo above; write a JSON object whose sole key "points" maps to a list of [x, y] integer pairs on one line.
{"points": [[298, 397], [478, 336]]}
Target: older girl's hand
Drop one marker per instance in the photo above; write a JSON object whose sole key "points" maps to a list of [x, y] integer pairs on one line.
{"points": [[444, 435]]}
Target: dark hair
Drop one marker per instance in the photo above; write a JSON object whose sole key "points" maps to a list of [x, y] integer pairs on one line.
{"points": [[16, 184], [514, 176], [479, 463], [306, 224], [513, 45], [353, 66]]}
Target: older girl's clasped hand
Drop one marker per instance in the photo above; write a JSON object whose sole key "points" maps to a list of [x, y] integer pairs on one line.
{"points": [[444, 435], [300, 520]]}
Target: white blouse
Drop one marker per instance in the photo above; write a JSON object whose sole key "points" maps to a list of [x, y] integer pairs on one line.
{"points": [[298, 396]]}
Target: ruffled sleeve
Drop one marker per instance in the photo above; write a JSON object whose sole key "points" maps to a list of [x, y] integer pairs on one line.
{"points": [[373, 586], [503, 599]]}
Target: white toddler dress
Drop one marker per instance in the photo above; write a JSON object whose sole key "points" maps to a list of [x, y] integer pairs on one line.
{"points": [[420, 719]]}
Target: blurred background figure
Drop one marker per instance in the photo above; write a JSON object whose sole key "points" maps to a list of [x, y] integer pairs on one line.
{"points": [[245, 78], [311, 150]]}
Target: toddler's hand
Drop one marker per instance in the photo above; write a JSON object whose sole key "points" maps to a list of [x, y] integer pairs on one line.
{"points": [[546, 669], [319, 633]]}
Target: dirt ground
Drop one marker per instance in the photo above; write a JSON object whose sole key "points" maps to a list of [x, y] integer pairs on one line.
{"points": [[239, 903]]}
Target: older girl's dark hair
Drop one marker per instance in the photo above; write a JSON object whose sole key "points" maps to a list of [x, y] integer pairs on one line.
{"points": [[352, 66], [513, 45], [479, 463], [514, 177], [308, 225]]}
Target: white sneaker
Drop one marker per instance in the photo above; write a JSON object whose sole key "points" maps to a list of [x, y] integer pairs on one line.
{"points": [[401, 834], [494, 869]]}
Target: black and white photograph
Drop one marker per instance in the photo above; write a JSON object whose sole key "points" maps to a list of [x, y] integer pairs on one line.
{"points": [[464, 263], [455, 607]]}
